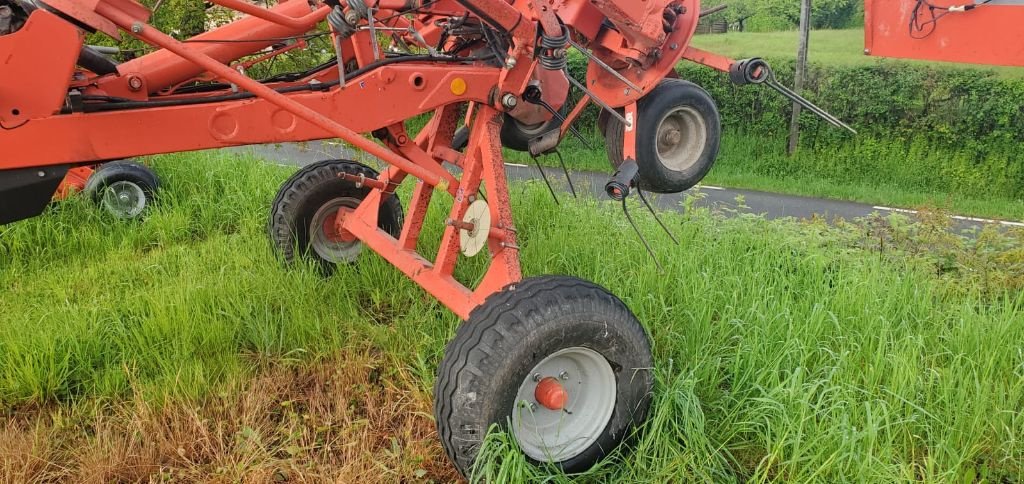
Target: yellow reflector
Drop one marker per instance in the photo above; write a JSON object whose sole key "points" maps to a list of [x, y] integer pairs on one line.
{"points": [[458, 86]]}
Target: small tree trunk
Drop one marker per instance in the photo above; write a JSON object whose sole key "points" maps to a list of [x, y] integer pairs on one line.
{"points": [[801, 72]]}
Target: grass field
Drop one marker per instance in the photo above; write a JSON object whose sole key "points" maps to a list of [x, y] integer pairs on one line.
{"points": [[178, 349], [829, 47]]}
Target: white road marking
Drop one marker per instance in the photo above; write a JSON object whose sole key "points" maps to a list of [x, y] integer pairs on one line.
{"points": [[899, 210], [956, 217], [709, 187]]}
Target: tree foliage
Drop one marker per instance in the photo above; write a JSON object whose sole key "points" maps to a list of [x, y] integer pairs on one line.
{"points": [[765, 15]]}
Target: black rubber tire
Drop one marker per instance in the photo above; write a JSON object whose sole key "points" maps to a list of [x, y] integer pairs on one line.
{"points": [[461, 139], [507, 336], [516, 137], [126, 171], [513, 135], [305, 192], [655, 176]]}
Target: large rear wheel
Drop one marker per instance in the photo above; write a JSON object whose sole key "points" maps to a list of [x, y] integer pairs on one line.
{"points": [[560, 363], [677, 137]]}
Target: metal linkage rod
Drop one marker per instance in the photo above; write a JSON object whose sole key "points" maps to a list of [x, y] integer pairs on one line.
{"points": [[610, 110], [606, 67], [154, 36]]}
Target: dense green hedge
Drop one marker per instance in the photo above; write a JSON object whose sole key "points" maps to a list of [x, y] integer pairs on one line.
{"points": [[956, 107], [950, 130]]}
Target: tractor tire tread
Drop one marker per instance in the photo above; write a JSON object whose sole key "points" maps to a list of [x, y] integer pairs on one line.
{"points": [[507, 315]]}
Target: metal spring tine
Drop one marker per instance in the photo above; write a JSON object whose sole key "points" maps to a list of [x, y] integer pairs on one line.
{"points": [[572, 129], [400, 43], [561, 119], [373, 34], [639, 235], [598, 101], [604, 66], [565, 170], [545, 177], [577, 134], [655, 214], [821, 113]]}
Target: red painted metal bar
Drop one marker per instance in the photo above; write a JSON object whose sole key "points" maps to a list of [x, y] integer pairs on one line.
{"points": [[710, 59], [576, 112], [88, 137], [150, 34], [505, 268], [484, 156], [163, 69], [632, 116], [416, 217]]}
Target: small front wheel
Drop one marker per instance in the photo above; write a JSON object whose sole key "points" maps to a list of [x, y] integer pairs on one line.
{"points": [[123, 189], [560, 363], [303, 215]]}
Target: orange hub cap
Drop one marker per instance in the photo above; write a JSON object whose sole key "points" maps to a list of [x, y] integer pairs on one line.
{"points": [[550, 394]]}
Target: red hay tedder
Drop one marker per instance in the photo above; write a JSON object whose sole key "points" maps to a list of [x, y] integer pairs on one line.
{"points": [[560, 362]]}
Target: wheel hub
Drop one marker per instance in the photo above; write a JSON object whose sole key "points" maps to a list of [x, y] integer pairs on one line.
{"points": [[564, 405], [682, 136], [332, 222], [551, 394], [326, 238], [124, 199]]}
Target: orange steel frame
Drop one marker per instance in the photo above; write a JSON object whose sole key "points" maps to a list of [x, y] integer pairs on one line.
{"points": [[42, 126], [39, 131]]}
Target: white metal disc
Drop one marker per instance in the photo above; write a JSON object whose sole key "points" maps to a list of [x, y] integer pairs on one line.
{"points": [[474, 241]]}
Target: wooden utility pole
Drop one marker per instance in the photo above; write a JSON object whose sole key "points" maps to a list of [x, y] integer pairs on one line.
{"points": [[801, 72]]}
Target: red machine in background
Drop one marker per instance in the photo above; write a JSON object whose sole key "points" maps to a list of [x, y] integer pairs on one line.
{"points": [[985, 32], [561, 363]]}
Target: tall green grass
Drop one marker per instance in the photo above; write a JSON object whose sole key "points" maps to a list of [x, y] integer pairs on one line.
{"points": [[783, 352]]}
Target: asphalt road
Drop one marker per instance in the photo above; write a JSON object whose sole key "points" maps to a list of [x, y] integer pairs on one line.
{"points": [[770, 205]]}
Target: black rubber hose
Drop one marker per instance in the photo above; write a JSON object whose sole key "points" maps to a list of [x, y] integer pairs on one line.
{"points": [[96, 62]]}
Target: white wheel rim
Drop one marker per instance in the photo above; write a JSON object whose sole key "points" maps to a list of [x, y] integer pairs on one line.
{"points": [[124, 199], [327, 249], [547, 435], [682, 135]]}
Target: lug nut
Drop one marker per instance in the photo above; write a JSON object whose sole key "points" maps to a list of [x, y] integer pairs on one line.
{"points": [[510, 101], [134, 83]]}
